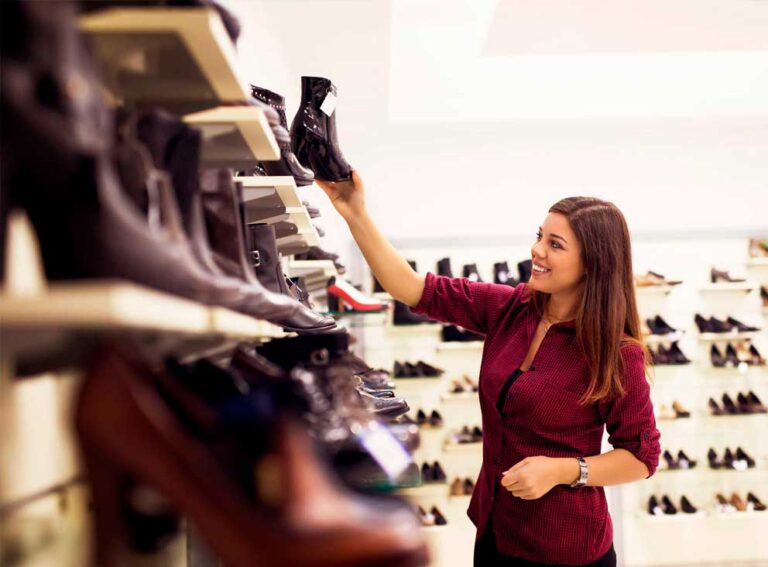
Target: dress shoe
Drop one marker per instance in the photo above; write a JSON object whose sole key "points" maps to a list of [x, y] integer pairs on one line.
{"points": [[711, 325], [288, 164], [672, 464], [740, 327], [764, 295], [715, 409], [731, 356], [421, 417], [723, 505], [403, 315], [473, 386], [714, 461], [757, 505], [314, 137], [435, 419], [426, 473], [755, 403], [650, 279], [716, 357], [741, 455], [524, 269], [744, 405], [686, 507], [674, 355], [737, 502], [728, 405], [684, 462], [658, 326], [667, 506], [444, 268], [427, 519], [263, 248], [502, 275], [680, 410], [428, 370], [438, 474], [723, 276], [348, 295], [757, 359], [654, 508], [457, 487], [469, 486], [470, 272], [702, 323], [457, 387], [730, 462], [452, 333], [477, 434], [439, 518]]}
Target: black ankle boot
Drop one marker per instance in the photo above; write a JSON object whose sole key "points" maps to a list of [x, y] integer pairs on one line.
{"points": [[263, 247], [502, 275], [444, 268], [313, 132], [524, 268], [288, 164]]}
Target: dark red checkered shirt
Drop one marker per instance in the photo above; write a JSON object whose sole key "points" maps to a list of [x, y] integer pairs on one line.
{"points": [[542, 416]]}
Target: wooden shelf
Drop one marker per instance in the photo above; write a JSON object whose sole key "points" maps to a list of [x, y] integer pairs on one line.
{"points": [[309, 268], [116, 305], [726, 287], [180, 57], [260, 187], [234, 136]]}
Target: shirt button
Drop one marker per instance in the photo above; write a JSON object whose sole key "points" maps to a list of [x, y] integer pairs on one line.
{"points": [[647, 436]]}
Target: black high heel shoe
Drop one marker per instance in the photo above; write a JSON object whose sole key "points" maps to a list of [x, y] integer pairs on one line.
{"points": [[314, 138]]}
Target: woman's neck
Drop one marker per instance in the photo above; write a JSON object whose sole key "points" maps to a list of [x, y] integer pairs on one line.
{"points": [[562, 306]]}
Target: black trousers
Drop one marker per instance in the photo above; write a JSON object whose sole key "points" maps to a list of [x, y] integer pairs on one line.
{"points": [[487, 555]]}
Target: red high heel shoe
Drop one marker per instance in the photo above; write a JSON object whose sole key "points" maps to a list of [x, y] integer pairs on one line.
{"points": [[344, 291]]}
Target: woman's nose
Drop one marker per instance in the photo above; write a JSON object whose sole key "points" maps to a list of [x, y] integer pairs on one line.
{"points": [[536, 251]]}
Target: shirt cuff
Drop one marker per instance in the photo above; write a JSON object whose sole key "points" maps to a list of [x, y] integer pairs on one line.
{"points": [[422, 306]]}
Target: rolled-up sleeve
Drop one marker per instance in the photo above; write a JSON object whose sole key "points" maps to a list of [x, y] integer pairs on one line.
{"points": [[459, 301], [629, 419]]}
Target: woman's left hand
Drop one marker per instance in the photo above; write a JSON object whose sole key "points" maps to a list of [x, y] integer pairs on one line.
{"points": [[533, 477]]}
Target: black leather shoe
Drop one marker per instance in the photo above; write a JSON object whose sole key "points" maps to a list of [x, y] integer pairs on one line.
{"points": [[444, 268], [524, 269], [676, 356], [470, 272], [404, 316], [313, 132], [714, 461], [741, 455], [741, 327], [672, 464], [502, 275], [684, 461], [667, 505], [263, 248], [452, 333], [717, 358], [686, 506], [439, 518], [755, 501], [654, 508], [288, 164], [729, 406]]}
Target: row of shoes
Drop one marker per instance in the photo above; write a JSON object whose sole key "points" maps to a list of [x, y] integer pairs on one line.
{"points": [[433, 420], [462, 487], [737, 504], [745, 404], [736, 353], [681, 462], [676, 411], [664, 506], [501, 273], [671, 355], [463, 385], [735, 460], [758, 247], [715, 325], [467, 434], [432, 518], [658, 326], [418, 370], [432, 473]]}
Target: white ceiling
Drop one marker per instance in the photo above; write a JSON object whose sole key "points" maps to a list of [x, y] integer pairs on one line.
{"points": [[611, 26]]}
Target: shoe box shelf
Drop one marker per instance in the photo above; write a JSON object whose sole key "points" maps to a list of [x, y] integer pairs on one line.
{"points": [[234, 136], [726, 337], [726, 287], [171, 56], [276, 199], [312, 268]]}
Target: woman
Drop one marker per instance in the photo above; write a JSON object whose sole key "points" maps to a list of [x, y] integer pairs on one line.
{"points": [[563, 358]]}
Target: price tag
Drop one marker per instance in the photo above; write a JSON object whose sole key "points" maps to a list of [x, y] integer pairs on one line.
{"points": [[386, 449], [329, 104]]}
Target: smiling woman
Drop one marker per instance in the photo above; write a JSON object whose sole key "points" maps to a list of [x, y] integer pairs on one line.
{"points": [[572, 336]]}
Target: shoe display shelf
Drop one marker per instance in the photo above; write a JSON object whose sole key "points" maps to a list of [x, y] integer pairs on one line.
{"points": [[707, 537], [276, 199], [183, 59], [169, 56], [652, 290], [729, 287]]}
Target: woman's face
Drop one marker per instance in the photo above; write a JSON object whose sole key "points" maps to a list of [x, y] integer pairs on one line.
{"points": [[556, 255]]}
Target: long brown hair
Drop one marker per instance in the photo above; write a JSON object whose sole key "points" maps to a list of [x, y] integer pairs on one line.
{"points": [[607, 317]]}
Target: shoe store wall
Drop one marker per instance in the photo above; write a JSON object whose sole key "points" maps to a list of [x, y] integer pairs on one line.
{"points": [[461, 129]]}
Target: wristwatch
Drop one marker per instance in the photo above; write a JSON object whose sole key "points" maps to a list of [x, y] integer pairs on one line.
{"points": [[583, 474]]}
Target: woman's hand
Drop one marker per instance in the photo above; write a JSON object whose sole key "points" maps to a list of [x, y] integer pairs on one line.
{"points": [[533, 477], [348, 197]]}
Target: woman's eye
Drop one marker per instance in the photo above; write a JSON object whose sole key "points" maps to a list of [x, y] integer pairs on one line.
{"points": [[538, 236], [555, 244]]}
